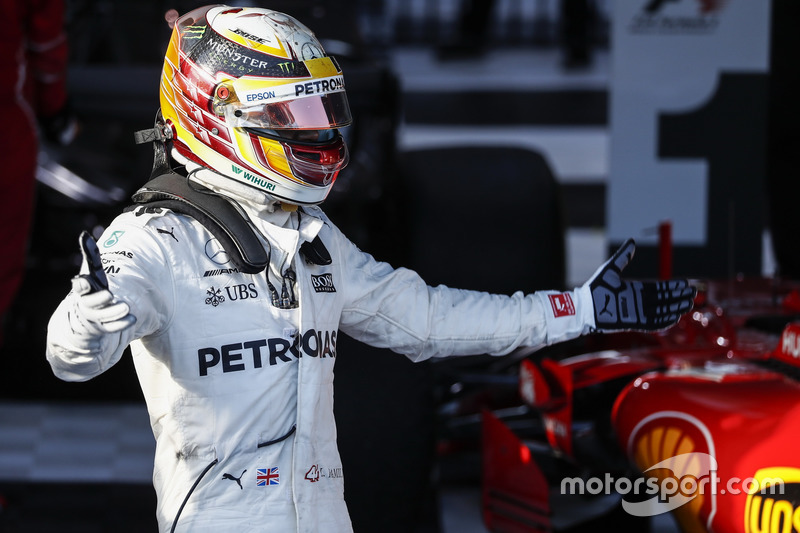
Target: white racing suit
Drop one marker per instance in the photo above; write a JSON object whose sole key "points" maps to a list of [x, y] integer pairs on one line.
{"points": [[240, 392]]}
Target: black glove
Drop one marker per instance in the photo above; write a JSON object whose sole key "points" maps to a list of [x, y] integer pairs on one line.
{"points": [[92, 266], [90, 317], [95, 310], [621, 304]]}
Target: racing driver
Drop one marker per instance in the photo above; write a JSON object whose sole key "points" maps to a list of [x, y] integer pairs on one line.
{"points": [[230, 284]]}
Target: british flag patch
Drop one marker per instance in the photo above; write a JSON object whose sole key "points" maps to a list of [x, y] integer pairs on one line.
{"points": [[268, 476]]}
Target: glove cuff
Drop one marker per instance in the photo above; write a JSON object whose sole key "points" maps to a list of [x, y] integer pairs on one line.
{"points": [[568, 314]]}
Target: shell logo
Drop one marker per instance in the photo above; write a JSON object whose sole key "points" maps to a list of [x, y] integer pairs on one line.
{"points": [[676, 450]]}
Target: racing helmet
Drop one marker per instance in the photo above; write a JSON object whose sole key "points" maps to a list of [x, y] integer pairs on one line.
{"points": [[251, 94]]}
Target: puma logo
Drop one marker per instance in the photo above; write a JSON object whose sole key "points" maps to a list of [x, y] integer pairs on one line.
{"points": [[171, 233], [238, 480], [605, 307]]}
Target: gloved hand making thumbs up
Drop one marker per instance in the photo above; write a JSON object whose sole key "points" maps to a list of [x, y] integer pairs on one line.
{"points": [[95, 311], [607, 302], [92, 311], [621, 304]]}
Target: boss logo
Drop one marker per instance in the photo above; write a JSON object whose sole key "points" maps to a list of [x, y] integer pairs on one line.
{"points": [[323, 283]]}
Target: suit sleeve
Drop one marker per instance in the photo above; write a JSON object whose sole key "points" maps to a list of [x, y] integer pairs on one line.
{"points": [[394, 308]]}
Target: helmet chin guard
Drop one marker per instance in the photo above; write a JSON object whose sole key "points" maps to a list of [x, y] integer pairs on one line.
{"points": [[251, 94]]}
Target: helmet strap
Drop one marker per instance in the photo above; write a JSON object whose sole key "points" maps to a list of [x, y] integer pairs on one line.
{"points": [[160, 135]]}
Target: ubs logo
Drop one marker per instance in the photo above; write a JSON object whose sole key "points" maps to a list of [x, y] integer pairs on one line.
{"points": [[323, 283], [235, 292], [216, 252]]}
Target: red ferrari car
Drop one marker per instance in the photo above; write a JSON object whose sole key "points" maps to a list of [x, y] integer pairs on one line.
{"points": [[701, 421]]}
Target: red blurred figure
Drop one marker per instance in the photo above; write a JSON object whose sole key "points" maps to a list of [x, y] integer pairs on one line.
{"points": [[33, 69]]}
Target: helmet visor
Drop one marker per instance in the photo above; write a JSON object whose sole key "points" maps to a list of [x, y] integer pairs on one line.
{"points": [[319, 104]]}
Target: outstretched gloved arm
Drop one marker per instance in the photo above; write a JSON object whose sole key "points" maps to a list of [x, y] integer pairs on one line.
{"points": [[83, 334]]}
